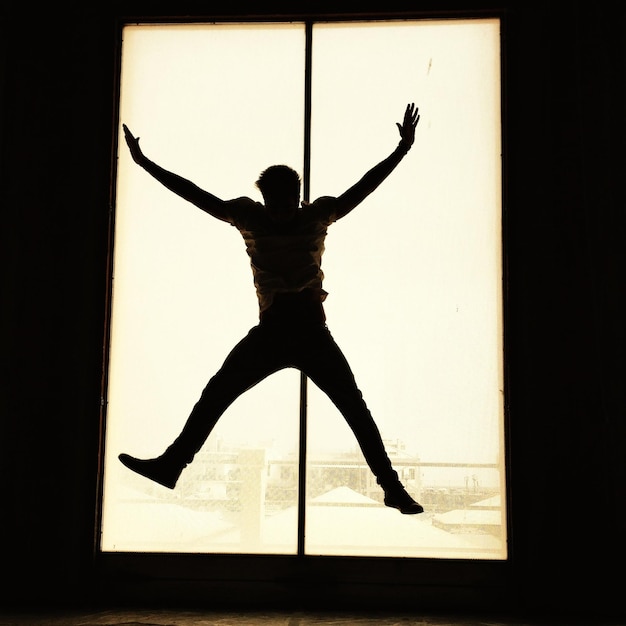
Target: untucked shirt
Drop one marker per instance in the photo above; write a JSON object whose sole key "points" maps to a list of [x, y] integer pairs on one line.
{"points": [[285, 257]]}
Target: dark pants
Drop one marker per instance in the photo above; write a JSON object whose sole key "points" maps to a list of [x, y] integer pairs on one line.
{"points": [[272, 346]]}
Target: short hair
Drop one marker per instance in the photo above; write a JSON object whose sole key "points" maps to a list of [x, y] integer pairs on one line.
{"points": [[278, 178]]}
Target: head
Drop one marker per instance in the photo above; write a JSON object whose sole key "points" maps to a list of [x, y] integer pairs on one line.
{"points": [[280, 188]]}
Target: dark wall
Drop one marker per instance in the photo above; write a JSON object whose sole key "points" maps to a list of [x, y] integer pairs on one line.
{"points": [[56, 127], [565, 135]]}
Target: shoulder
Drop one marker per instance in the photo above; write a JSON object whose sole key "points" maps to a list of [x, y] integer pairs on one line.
{"points": [[242, 203], [325, 207], [240, 210]]}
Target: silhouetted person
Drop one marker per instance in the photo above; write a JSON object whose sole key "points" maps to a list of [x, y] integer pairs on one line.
{"points": [[285, 242]]}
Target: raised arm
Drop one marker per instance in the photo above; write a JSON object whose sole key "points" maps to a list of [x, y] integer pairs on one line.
{"points": [[358, 192], [184, 188]]}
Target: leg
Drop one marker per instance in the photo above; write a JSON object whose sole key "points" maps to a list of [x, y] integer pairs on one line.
{"points": [[323, 361], [254, 358]]}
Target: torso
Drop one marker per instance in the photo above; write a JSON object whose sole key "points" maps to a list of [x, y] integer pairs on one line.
{"points": [[285, 257]]}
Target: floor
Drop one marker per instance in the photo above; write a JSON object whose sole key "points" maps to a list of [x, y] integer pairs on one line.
{"points": [[204, 618]]}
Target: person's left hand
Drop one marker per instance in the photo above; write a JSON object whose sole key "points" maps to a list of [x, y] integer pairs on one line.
{"points": [[407, 128]]}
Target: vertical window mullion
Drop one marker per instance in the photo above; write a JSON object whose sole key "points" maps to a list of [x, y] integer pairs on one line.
{"points": [[306, 178], [308, 55]]}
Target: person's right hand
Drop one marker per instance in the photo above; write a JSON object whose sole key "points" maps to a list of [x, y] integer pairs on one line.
{"points": [[133, 145]]}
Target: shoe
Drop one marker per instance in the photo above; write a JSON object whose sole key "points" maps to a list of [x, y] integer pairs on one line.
{"points": [[160, 470], [398, 498]]}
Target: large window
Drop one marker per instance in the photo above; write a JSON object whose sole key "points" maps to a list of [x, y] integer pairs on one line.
{"points": [[414, 279]]}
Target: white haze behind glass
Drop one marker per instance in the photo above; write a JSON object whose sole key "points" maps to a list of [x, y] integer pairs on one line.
{"points": [[413, 273]]}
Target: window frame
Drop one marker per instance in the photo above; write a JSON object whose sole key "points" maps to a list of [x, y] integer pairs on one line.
{"points": [[253, 579]]}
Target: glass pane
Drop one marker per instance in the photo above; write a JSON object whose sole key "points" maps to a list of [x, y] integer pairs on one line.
{"points": [[216, 104], [414, 280]]}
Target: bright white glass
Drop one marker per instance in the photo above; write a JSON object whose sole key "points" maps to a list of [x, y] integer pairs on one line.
{"points": [[216, 104], [414, 280]]}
